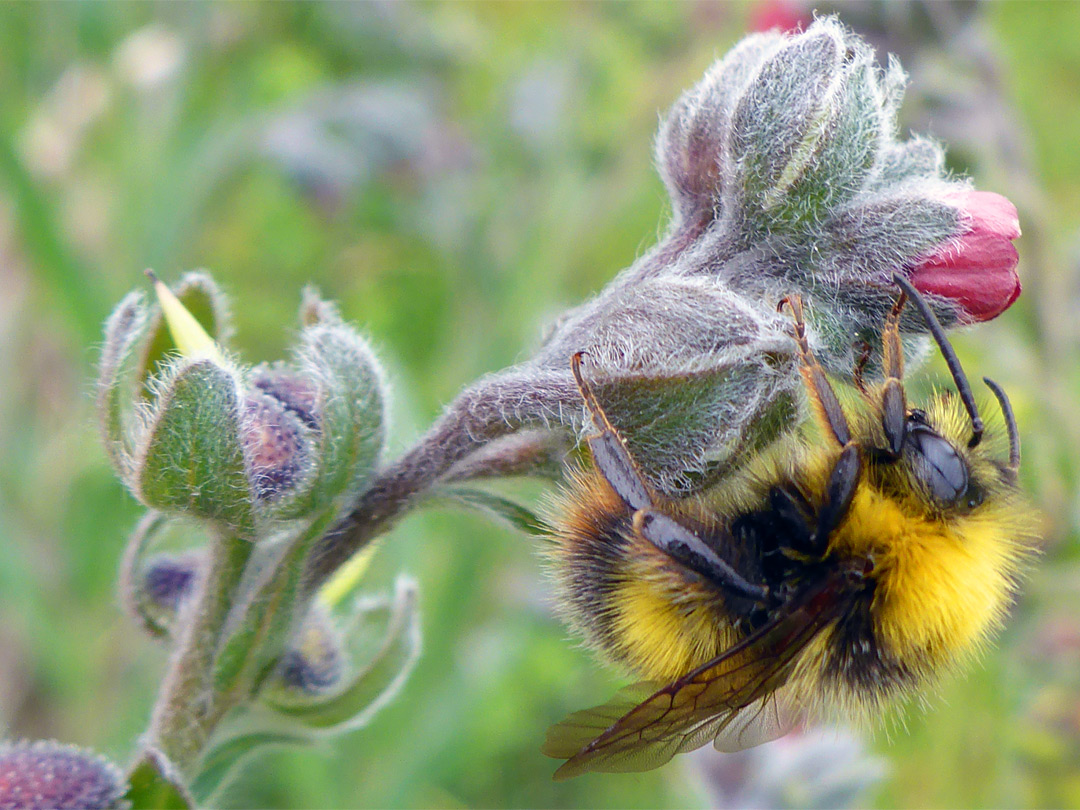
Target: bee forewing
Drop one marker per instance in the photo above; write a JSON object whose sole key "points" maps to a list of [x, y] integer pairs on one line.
{"points": [[624, 735]]}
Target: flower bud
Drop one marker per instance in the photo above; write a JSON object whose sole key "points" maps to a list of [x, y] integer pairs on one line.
{"points": [[277, 446], [381, 643], [977, 270], [314, 663], [785, 15], [685, 370], [167, 582], [51, 776], [296, 394], [193, 433], [692, 139]]}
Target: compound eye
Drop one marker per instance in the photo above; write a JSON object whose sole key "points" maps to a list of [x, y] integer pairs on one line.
{"points": [[936, 464]]}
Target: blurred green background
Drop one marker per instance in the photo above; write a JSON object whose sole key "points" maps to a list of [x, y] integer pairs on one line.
{"points": [[455, 175]]}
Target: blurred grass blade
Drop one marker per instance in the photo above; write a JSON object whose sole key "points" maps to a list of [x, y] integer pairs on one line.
{"points": [[67, 280]]}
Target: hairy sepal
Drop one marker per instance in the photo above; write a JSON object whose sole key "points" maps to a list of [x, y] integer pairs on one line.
{"points": [[190, 459], [352, 405]]}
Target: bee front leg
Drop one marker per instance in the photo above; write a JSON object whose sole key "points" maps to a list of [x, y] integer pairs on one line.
{"points": [[839, 492], [822, 396]]}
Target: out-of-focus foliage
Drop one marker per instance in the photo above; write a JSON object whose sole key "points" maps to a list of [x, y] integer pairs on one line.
{"points": [[455, 175]]}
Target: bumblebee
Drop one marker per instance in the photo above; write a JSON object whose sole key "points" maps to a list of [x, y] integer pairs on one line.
{"points": [[842, 570]]}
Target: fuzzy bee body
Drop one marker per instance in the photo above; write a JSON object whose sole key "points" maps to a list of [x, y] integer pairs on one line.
{"points": [[843, 568]]}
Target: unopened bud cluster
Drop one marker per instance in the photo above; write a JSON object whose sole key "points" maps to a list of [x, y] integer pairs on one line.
{"points": [[260, 462], [196, 434]]}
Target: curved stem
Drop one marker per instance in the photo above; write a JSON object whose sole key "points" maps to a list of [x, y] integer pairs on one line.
{"points": [[188, 709], [496, 406]]}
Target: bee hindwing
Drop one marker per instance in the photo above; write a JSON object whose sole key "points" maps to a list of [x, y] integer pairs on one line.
{"points": [[759, 723]]}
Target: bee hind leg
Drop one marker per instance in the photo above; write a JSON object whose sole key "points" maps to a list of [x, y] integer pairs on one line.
{"points": [[609, 451], [617, 466], [685, 547]]}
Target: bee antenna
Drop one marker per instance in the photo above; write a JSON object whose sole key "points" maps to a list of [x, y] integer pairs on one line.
{"points": [[1010, 423], [947, 352]]}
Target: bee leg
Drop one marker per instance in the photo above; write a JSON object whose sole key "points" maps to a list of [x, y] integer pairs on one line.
{"points": [[685, 547], [893, 401], [843, 481], [795, 518], [824, 400], [865, 350], [609, 452]]}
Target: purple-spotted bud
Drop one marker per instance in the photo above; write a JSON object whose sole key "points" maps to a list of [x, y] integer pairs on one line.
{"points": [[296, 394], [170, 579], [331, 681], [51, 776], [164, 586], [314, 663], [193, 432], [277, 446]]}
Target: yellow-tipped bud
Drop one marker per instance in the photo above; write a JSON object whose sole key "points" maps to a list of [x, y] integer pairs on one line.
{"points": [[188, 334]]}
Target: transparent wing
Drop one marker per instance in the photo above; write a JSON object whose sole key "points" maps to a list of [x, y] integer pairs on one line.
{"points": [[771, 717], [640, 729]]}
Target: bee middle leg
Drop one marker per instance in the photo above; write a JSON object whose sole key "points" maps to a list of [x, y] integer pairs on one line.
{"points": [[839, 492], [893, 400]]}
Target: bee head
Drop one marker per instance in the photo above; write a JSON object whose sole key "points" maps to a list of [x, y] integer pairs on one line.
{"points": [[941, 450], [937, 467]]}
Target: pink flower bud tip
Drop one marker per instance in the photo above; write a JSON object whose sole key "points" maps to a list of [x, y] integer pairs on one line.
{"points": [[784, 15], [978, 271]]}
